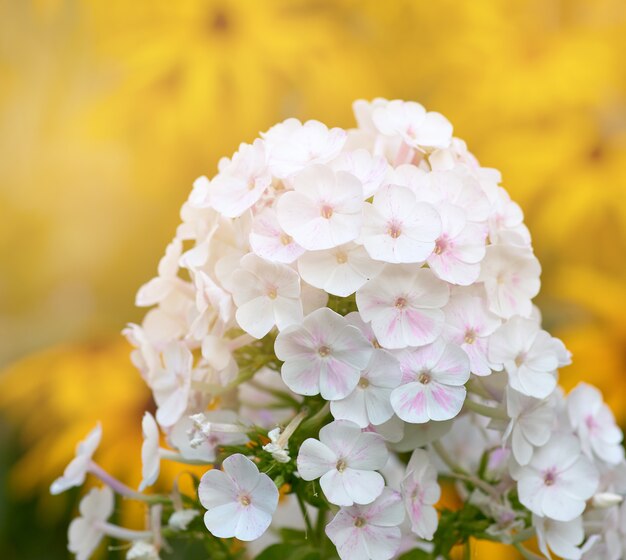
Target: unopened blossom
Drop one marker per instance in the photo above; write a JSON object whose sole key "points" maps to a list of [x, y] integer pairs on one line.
{"points": [[340, 271], [469, 324], [324, 355], [324, 209], [531, 424], [595, 424], [239, 499], [558, 480], [398, 228], [242, 181], [510, 275], [529, 355], [142, 550], [269, 241], [292, 146], [417, 127], [172, 384], [167, 281], [368, 532], [563, 538], [279, 452], [345, 459], [76, 470], [459, 248], [421, 491], [403, 305], [369, 401], [86, 532], [266, 295], [433, 379]]}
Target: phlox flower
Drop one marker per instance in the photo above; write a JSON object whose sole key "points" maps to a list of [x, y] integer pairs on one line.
{"points": [[76, 470], [531, 424], [369, 401], [510, 275], [368, 532], [242, 181], [421, 491], [459, 248], [469, 324], [433, 379], [167, 281], [324, 209], [171, 384], [266, 294], [339, 271], [595, 425], [323, 355], [345, 459], [239, 499], [216, 351], [86, 532], [528, 354], [269, 241], [367, 168], [403, 305], [564, 538], [292, 145], [417, 127], [398, 228], [558, 480]]}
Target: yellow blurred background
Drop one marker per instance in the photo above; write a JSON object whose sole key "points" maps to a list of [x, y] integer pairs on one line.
{"points": [[110, 108]]}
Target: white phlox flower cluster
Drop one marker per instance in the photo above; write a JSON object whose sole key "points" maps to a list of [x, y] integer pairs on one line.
{"points": [[342, 323]]}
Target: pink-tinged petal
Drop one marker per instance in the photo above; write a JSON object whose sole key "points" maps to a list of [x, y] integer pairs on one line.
{"points": [[444, 402], [287, 312], [333, 487], [242, 471], [409, 403], [315, 459], [387, 510], [382, 542], [453, 367], [477, 354], [430, 292], [369, 452], [256, 317], [388, 327], [340, 436], [350, 346], [294, 342], [222, 521], [346, 537], [378, 405], [302, 376], [422, 326], [337, 379], [383, 370], [363, 487], [425, 525], [252, 523], [351, 408]]}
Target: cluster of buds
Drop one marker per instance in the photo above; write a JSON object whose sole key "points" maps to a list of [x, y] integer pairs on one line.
{"points": [[342, 324]]}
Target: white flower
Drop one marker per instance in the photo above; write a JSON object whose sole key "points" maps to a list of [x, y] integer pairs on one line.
{"points": [[180, 519], [367, 168], [269, 241], [293, 145], [561, 537], [469, 324], [240, 500], [511, 278], [433, 379], [167, 282], [266, 294], [531, 424], [242, 181], [418, 128], [322, 355], [76, 470], [150, 459], [339, 271], [86, 532], [369, 402], [421, 491], [142, 550], [279, 452], [172, 383], [345, 460], [324, 210], [404, 305], [595, 424], [529, 355], [459, 249], [398, 228], [368, 532], [558, 480]]}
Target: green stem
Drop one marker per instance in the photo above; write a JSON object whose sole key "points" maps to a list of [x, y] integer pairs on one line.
{"points": [[316, 418], [488, 411], [305, 515], [475, 386], [321, 525], [448, 461]]}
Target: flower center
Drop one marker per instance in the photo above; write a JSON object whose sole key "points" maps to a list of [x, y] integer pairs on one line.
{"points": [[549, 478], [424, 378], [326, 211], [470, 336], [251, 183], [359, 522], [364, 383], [394, 230], [341, 465], [519, 359], [323, 351], [376, 344], [272, 293], [341, 257], [244, 500], [285, 239], [441, 245], [401, 303]]}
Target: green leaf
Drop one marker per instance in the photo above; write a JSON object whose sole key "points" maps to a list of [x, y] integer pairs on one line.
{"points": [[416, 554], [286, 551]]}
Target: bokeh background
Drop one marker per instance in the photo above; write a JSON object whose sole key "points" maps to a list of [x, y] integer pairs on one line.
{"points": [[109, 109]]}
